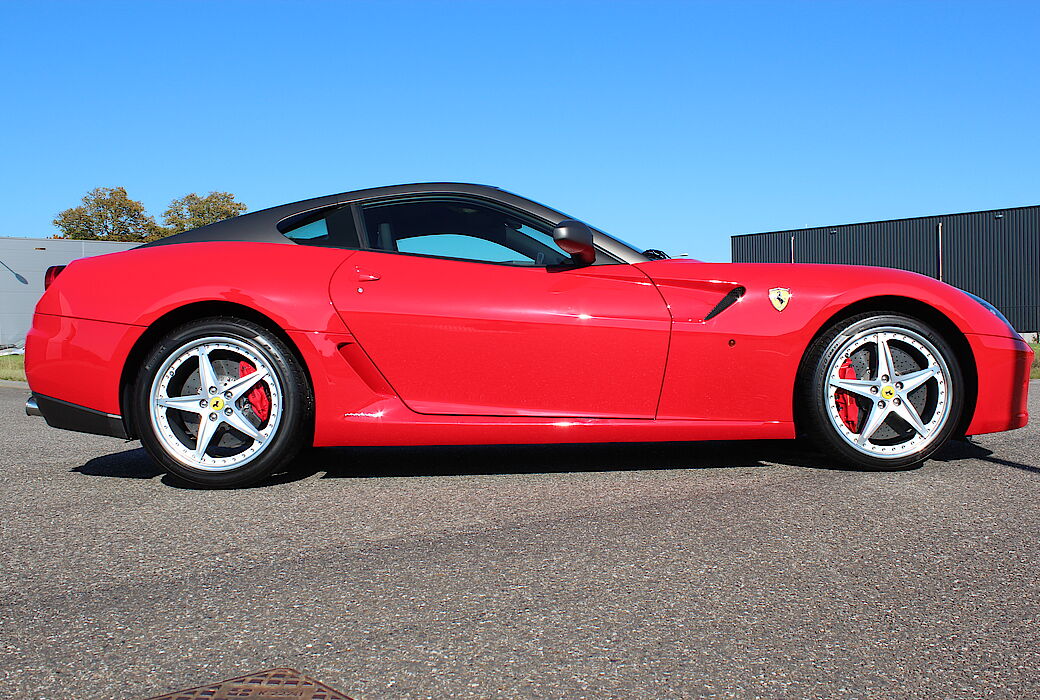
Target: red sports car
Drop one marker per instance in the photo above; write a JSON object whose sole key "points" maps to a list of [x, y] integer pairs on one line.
{"points": [[462, 314]]}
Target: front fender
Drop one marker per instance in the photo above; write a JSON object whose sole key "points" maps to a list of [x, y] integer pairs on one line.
{"points": [[743, 363]]}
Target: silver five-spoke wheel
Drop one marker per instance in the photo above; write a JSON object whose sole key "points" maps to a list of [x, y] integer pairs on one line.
{"points": [[215, 403], [888, 391], [223, 402], [884, 390]]}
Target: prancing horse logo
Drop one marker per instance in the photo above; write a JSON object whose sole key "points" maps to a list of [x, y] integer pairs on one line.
{"points": [[779, 296]]}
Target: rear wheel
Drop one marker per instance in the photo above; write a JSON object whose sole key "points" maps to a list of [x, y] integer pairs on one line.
{"points": [[882, 391], [222, 402]]}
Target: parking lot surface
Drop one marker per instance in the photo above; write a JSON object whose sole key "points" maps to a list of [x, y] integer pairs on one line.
{"points": [[679, 570]]}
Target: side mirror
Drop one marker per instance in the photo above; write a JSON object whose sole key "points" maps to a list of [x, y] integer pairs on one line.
{"points": [[575, 238]]}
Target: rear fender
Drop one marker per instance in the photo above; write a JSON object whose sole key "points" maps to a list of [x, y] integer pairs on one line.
{"points": [[288, 284]]}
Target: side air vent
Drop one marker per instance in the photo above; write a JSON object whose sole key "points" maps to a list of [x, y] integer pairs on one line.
{"points": [[727, 301]]}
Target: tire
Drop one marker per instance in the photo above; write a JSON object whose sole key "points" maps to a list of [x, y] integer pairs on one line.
{"points": [[878, 410], [250, 427]]}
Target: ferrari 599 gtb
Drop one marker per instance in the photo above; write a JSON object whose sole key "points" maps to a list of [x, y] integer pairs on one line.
{"points": [[440, 314]]}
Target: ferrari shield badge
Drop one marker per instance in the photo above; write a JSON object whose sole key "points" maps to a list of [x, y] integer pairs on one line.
{"points": [[779, 296]]}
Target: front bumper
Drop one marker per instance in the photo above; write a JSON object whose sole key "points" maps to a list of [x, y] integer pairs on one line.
{"points": [[1003, 392], [69, 416]]}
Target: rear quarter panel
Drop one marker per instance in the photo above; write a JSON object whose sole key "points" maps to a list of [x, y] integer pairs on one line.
{"points": [[88, 321], [288, 283], [78, 360]]}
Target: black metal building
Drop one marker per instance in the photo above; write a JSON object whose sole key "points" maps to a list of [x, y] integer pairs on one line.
{"points": [[994, 254]]}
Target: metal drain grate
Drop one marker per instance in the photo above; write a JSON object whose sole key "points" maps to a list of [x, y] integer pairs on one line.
{"points": [[276, 684]]}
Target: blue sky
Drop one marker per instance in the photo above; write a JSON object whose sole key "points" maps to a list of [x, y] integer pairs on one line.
{"points": [[671, 124]]}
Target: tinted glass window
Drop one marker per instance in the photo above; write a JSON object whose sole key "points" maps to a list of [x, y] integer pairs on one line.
{"points": [[334, 229], [460, 229], [452, 245], [311, 232]]}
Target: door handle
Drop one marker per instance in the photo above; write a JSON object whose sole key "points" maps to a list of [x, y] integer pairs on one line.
{"points": [[366, 276]]}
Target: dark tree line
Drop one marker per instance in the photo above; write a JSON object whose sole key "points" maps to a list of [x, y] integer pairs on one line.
{"points": [[108, 214]]}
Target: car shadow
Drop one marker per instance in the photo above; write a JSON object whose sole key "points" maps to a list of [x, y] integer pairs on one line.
{"points": [[371, 462], [966, 449], [136, 464], [130, 464], [374, 462]]}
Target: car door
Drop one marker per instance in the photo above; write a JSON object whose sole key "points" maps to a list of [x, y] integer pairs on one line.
{"points": [[470, 309]]}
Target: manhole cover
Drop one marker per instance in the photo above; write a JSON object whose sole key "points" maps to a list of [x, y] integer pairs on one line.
{"points": [[276, 684]]}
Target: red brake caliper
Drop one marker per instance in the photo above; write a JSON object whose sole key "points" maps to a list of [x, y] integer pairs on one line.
{"points": [[848, 410], [257, 397]]}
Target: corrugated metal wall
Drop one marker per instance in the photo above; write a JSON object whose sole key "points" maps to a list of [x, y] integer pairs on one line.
{"points": [[761, 247], [997, 256], [994, 254], [23, 262]]}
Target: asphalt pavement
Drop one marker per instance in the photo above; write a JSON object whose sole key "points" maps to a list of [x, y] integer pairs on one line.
{"points": [[638, 571]]}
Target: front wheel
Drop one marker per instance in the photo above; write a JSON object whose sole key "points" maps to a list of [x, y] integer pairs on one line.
{"points": [[222, 402], [882, 391]]}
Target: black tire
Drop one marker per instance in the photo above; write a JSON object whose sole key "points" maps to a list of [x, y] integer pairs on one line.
{"points": [[275, 409], [850, 354]]}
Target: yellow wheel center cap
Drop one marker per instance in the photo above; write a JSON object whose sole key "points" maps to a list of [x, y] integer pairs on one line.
{"points": [[888, 392], [216, 403]]}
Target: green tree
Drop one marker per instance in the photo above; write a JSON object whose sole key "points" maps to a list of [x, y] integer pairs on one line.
{"points": [[192, 211], [107, 214]]}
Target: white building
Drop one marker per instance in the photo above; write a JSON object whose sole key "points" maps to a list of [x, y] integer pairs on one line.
{"points": [[23, 262]]}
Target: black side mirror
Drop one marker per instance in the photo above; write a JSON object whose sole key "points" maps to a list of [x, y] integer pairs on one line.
{"points": [[575, 238]]}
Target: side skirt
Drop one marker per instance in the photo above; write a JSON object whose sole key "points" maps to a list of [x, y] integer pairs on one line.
{"points": [[388, 423]]}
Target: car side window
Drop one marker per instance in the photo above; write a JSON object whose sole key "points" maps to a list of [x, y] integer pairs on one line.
{"points": [[453, 245], [331, 229], [314, 232], [462, 230]]}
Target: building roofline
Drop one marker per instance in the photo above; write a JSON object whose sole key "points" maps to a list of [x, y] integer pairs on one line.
{"points": [[65, 240], [884, 221]]}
